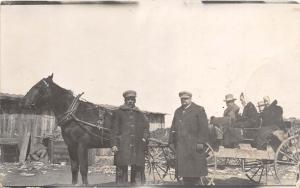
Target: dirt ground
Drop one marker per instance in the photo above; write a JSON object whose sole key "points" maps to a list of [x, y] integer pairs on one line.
{"points": [[47, 175], [40, 174]]}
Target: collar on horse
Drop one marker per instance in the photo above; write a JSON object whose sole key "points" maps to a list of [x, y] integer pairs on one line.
{"points": [[70, 114]]}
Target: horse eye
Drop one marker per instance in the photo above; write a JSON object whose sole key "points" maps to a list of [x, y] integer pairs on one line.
{"points": [[41, 89]]}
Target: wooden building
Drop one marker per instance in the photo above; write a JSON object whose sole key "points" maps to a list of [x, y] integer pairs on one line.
{"points": [[16, 122]]}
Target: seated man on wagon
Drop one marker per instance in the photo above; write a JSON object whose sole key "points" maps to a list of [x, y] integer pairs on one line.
{"points": [[272, 126], [232, 110], [249, 117], [231, 135]]}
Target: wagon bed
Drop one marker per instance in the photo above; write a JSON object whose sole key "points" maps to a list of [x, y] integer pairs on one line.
{"points": [[245, 151], [260, 166]]}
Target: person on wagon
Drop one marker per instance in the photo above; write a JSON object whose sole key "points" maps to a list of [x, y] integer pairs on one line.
{"points": [[250, 116], [231, 135]]}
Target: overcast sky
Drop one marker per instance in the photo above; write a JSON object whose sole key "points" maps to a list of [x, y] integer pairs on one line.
{"points": [[157, 48]]}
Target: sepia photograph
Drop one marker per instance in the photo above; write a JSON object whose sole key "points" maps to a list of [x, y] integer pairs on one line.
{"points": [[150, 93]]}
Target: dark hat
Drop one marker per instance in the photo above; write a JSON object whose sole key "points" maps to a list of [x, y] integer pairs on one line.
{"points": [[229, 97], [129, 93], [185, 94]]}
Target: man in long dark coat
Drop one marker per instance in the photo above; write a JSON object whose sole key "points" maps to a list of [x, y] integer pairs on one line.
{"points": [[272, 120], [189, 133], [130, 134]]}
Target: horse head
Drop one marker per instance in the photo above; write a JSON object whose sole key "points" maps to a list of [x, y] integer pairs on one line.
{"points": [[40, 93]]}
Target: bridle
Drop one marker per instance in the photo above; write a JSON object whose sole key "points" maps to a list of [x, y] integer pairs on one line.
{"points": [[47, 88], [46, 83]]}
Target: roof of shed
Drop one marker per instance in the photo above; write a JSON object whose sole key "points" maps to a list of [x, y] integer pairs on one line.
{"points": [[7, 96]]}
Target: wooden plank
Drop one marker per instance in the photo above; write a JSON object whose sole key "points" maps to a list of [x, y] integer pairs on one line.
{"points": [[34, 135], [38, 126], [50, 151], [9, 141], [14, 129], [245, 153], [24, 147], [1, 124], [23, 122], [20, 126], [12, 125], [43, 127], [9, 126], [5, 126]]}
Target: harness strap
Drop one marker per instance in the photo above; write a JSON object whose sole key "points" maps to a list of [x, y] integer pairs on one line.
{"points": [[87, 123], [94, 134], [70, 114], [71, 110]]}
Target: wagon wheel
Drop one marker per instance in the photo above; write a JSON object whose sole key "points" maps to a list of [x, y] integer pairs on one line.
{"points": [[157, 161], [287, 160], [211, 167], [259, 171]]}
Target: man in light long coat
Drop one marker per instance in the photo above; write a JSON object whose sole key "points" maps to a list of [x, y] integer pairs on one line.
{"points": [[130, 134], [189, 133], [232, 136]]}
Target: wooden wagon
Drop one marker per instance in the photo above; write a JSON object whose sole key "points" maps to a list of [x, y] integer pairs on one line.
{"points": [[260, 166]]}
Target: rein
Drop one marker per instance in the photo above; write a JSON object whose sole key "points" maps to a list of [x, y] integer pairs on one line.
{"points": [[70, 115]]}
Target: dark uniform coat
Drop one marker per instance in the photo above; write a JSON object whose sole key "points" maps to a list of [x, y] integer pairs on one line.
{"points": [[272, 120], [129, 127], [249, 118], [272, 115], [189, 128]]}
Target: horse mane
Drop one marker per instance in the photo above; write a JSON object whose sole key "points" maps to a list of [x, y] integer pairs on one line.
{"points": [[84, 103], [70, 92]]}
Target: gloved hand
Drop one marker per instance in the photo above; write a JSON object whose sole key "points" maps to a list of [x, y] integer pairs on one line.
{"points": [[114, 149], [199, 148]]}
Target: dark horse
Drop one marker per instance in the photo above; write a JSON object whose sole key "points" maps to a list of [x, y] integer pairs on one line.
{"points": [[78, 121]]}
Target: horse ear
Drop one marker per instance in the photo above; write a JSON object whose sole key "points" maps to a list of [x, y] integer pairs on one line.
{"points": [[50, 77]]}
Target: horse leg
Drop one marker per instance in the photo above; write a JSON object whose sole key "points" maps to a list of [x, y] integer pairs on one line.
{"points": [[74, 163], [83, 162]]}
